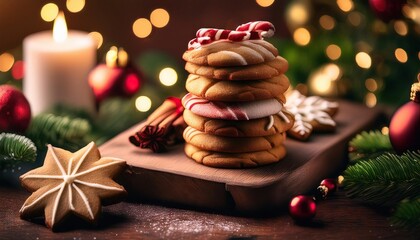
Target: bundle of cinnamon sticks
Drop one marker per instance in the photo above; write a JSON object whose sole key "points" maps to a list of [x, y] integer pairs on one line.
{"points": [[162, 128]]}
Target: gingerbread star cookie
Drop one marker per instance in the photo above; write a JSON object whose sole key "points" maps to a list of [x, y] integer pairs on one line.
{"points": [[311, 114], [72, 183]]}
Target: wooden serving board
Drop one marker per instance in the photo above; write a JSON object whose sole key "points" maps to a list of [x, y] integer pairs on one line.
{"points": [[175, 179]]}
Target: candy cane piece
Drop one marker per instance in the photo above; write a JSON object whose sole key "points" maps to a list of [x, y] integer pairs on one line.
{"points": [[219, 34], [266, 29]]}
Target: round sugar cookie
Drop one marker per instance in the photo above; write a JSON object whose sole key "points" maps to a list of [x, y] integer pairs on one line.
{"points": [[264, 70], [237, 91], [229, 53], [274, 124], [231, 144], [235, 160], [231, 110]]}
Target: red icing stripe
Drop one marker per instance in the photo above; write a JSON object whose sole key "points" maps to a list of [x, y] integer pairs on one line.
{"points": [[266, 29], [209, 109]]}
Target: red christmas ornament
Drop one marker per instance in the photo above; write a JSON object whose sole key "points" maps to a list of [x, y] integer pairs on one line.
{"points": [[115, 78], [302, 208], [15, 111], [404, 128], [387, 10], [330, 183]]}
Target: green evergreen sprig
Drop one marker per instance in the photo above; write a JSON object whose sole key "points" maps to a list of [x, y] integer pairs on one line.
{"points": [[368, 145], [386, 180], [15, 149], [70, 133], [407, 214]]}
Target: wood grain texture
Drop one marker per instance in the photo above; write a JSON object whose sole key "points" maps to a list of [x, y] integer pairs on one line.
{"points": [[173, 178], [337, 218]]}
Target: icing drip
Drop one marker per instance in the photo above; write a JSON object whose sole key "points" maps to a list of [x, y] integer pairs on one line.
{"points": [[284, 117], [270, 123], [271, 120]]}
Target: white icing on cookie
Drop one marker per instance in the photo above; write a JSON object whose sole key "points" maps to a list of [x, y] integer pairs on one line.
{"points": [[234, 55], [308, 109], [70, 180], [231, 110], [270, 123]]}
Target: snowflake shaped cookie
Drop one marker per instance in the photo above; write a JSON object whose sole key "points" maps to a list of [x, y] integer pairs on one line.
{"points": [[311, 114], [71, 183]]}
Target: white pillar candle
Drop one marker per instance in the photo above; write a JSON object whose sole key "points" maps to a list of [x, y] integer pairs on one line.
{"points": [[56, 69]]}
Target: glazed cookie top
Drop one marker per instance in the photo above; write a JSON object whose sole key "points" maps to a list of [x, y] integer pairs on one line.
{"points": [[226, 53], [231, 111]]}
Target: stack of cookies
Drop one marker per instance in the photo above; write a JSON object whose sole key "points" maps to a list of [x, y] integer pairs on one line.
{"points": [[234, 108]]}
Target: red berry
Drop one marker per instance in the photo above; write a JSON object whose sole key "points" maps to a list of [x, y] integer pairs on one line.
{"points": [[302, 208]]}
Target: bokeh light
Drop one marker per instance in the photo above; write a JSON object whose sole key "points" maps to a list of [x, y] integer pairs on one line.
{"points": [[321, 81], [385, 130], [345, 5], [168, 76], [265, 3], [327, 22], [49, 12], [143, 103], [401, 55], [409, 12], [302, 36], [97, 37], [333, 52], [400, 27], [370, 100], [159, 17], [75, 6], [297, 14], [371, 84], [111, 57], [412, 11], [142, 28], [355, 18], [17, 70], [6, 62], [363, 60], [379, 26]]}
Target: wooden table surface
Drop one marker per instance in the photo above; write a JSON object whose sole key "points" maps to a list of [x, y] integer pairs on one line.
{"points": [[337, 218]]}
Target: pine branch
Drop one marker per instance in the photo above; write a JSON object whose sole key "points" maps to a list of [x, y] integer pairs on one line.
{"points": [[385, 180], [116, 115], [61, 131], [368, 145], [407, 214], [15, 149]]}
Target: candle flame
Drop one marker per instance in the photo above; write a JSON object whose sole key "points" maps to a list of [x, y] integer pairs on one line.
{"points": [[60, 28]]}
